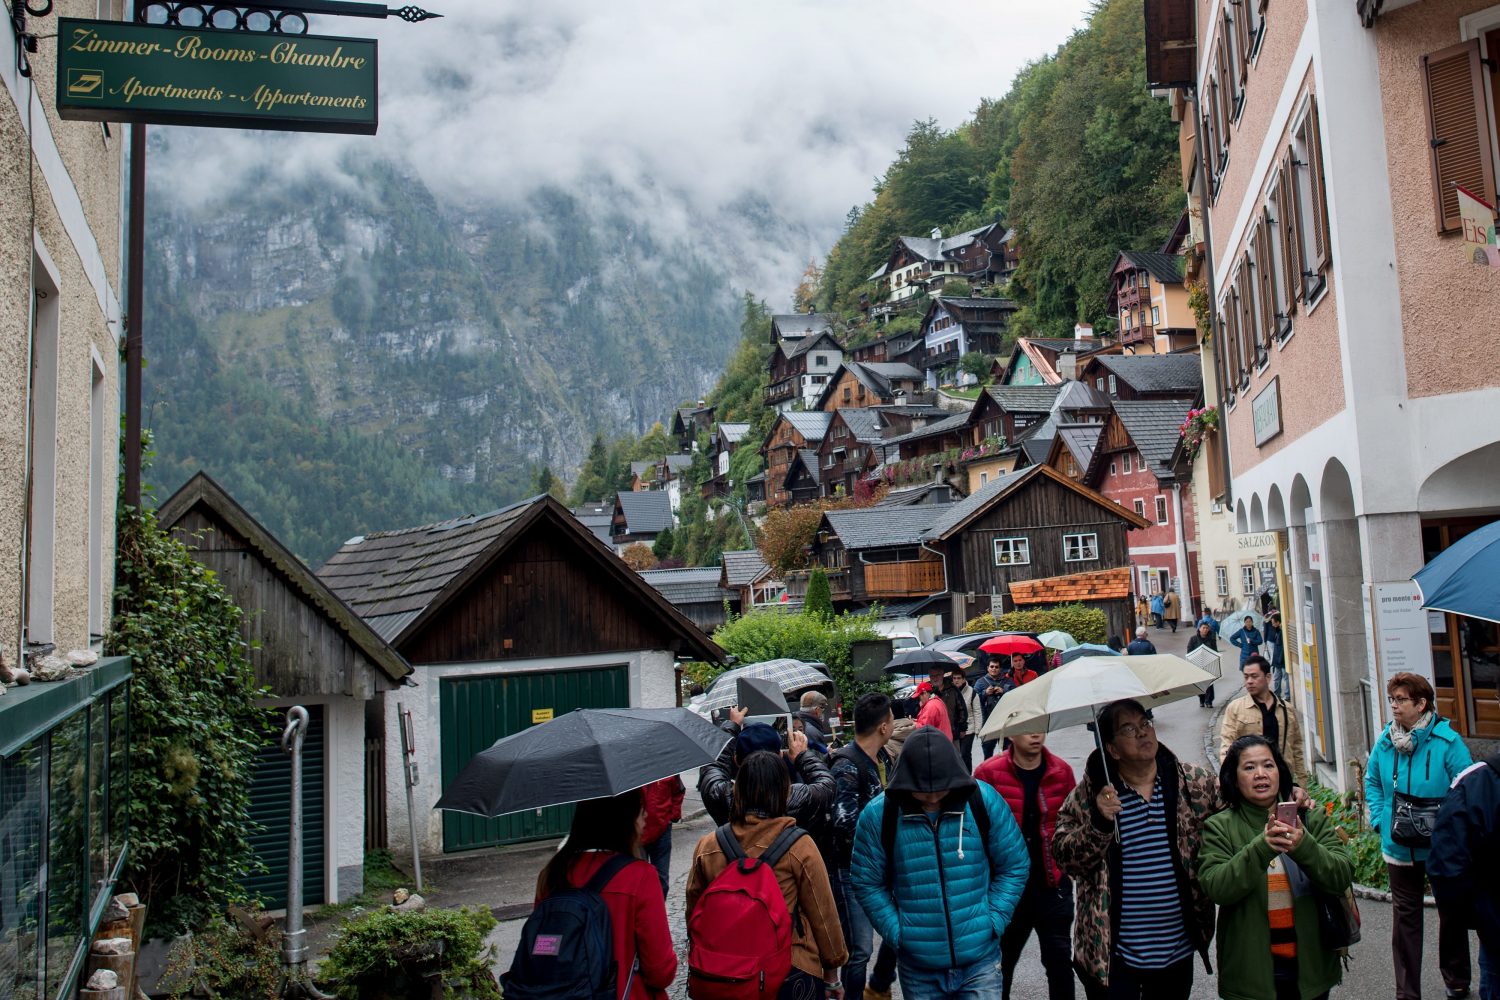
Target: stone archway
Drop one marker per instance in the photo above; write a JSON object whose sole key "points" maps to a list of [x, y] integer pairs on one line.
{"points": [[1466, 484], [1275, 510], [1344, 712], [1257, 515]]}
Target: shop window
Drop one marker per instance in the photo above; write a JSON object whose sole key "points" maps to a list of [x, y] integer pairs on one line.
{"points": [[1012, 551], [1080, 548]]}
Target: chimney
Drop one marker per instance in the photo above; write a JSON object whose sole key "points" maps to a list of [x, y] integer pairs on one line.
{"points": [[937, 233], [1083, 331], [1067, 365]]}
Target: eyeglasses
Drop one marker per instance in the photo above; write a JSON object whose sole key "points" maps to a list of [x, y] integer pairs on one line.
{"points": [[1136, 732], [1399, 699]]}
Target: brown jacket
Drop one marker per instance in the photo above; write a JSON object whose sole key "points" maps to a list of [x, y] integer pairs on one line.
{"points": [[1242, 718], [818, 948]]}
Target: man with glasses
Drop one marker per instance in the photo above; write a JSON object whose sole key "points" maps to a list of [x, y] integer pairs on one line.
{"points": [[1128, 835]]}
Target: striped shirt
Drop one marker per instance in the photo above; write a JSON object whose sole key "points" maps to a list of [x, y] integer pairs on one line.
{"points": [[1152, 934]]}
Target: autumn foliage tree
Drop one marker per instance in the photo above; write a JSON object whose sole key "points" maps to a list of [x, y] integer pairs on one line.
{"points": [[638, 556], [786, 532]]}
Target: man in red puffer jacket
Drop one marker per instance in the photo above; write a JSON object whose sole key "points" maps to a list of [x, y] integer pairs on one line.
{"points": [[663, 803], [1034, 783]]}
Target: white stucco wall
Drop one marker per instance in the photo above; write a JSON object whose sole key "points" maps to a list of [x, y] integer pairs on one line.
{"points": [[651, 678], [343, 791]]}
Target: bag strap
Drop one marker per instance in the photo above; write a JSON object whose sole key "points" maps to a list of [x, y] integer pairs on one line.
{"points": [[890, 816], [783, 843], [606, 873], [729, 844]]}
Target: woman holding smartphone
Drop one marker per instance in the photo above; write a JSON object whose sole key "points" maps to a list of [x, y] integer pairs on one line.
{"points": [[1253, 851]]}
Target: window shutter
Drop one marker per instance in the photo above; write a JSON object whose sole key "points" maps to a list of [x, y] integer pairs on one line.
{"points": [[1291, 233], [1247, 313], [1226, 357], [1458, 129], [1243, 41], [1318, 238], [1265, 263]]}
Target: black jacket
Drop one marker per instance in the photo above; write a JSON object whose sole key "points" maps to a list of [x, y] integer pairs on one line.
{"points": [[1212, 642], [1464, 864], [808, 804], [815, 729], [958, 710]]}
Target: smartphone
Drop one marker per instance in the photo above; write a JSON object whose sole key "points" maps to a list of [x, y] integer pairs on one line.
{"points": [[1286, 814]]}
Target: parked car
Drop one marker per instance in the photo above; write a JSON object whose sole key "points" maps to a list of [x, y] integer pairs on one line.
{"points": [[968, 643]]}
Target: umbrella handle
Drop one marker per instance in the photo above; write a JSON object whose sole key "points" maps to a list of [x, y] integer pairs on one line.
{"points": [[1104, 760]]}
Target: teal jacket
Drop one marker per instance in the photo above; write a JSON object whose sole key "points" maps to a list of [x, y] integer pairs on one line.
{"points": [[1438, 758]]}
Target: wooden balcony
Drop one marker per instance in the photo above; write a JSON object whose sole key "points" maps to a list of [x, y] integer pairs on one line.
{"points": [[903, 579], [780, 392], [796, 584]]}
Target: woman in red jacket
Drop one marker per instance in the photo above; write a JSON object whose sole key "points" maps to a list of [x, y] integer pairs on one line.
{"points": [[601, 829], [663, 802], [1035, 783]]}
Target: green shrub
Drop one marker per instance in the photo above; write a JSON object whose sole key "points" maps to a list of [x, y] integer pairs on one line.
{"points": [[1083, 623], [819, 599], [195, 729], [1347, 811], [227, 960], [379, 953], [771, 634]]}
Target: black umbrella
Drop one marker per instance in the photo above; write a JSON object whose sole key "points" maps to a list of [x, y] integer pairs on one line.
{"points": [[918, 661], [590, 753]]}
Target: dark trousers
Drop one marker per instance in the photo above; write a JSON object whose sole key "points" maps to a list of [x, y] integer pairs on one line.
{"points": [[800, 986], [1126, 982], [884, 973], [1172, 622], [659, 853], [1206, 699], [1049, 912], [965, 747], [1407, 884], [988, 747]]}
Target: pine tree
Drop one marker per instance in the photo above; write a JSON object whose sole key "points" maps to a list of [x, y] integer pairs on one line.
{"points": [[819, 599]]}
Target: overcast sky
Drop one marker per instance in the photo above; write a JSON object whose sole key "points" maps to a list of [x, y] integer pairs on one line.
{"points": [[691, 105]]}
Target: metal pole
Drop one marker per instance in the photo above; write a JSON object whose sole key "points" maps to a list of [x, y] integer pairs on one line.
{"points": [[135, 313], [409, 778], [294, 941]]}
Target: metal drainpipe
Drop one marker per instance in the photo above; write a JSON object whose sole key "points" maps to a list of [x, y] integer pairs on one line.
{"points": [[297, 983], [1212, 290], [944, 557]]}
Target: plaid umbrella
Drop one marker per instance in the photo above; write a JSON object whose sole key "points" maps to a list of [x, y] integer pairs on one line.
{"points": [[789, 675]]}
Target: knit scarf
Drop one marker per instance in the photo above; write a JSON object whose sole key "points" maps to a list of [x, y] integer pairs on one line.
{"points": [[1404, 739]]}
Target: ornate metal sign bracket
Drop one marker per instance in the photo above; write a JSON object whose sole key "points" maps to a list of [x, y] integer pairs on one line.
{"points": [[281, 19]]}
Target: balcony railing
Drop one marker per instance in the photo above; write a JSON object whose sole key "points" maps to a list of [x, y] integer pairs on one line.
{"points": [[780, 392], [796, 583], [943, 358], [903, 579]]}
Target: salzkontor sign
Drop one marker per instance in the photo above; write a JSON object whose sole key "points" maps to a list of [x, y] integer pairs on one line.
{"points": [[153, 74]]}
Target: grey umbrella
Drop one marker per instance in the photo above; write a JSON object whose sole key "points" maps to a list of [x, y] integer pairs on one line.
{"points": [[590, 753]]}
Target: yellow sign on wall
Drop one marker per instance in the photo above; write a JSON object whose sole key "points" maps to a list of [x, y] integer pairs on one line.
{"points": [[541, 715]]}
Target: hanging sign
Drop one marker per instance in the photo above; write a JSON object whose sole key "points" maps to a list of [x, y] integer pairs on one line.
{"points": [[118, 71], [1481, 244]]}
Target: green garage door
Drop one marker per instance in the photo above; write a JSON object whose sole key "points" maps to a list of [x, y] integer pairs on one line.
{"points": [[271, 807], [477, 711]]}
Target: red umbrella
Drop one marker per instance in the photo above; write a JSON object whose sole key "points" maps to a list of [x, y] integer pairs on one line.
{"points": [[1010, 644]]}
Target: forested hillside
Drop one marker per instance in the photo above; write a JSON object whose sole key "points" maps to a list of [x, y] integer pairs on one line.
{"points": [[1077, 157]]}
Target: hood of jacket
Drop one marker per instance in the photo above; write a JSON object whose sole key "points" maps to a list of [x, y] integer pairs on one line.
{"points": [[929, 763]]}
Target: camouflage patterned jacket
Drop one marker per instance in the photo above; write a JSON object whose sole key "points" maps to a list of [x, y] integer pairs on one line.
{"points": [[1085, 848]]}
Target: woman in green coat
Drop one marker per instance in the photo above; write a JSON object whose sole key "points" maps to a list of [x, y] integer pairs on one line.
{"points": [[1268, 938]]}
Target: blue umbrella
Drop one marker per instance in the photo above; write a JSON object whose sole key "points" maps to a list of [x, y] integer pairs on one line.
{"points": [[1087, 649], [1464, 579]]}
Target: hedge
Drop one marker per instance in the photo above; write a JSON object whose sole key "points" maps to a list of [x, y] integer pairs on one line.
{"points": [[1083, 623]]}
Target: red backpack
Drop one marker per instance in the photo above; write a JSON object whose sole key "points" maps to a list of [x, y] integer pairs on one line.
{"points": [[740, 934]]}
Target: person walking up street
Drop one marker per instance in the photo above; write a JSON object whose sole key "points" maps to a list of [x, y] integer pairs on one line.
{"points": [[1129, 837], [1276, 640], [1171, 608], [939, 865], [1464, 865], [1252, 865], [989, 689], [1142, 611], [1205, 636], [860, 772], [932, 711], [758, 821], [963, 739], [1209, 620], [1035, 783], [1140, 645], [663, 802], [1415, 760], [1158, 609], [955, 701], [1259, 712], [811, 795], [1248, 639]]}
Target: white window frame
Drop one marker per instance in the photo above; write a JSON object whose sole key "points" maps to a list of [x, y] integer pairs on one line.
{"points": [[41, 540], [1271, 219], [1163, 515], [1088, 545], [984, 479], [1113, 385], [1140, 507], [1302, 177], [1156, 315], [99, 475], [1111, 467], [1018, 546], [1221, 577], [1125, 463], [1247, 580]]}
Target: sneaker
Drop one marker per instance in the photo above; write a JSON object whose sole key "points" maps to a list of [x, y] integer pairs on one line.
{"points": [[1458, 994]]}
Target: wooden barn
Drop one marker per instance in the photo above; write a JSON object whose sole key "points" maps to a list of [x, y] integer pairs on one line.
{"points": [[310, 649], [508, 619]]}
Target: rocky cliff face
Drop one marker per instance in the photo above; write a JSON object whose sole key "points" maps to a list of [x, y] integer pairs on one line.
{"points": [[478, 343]]}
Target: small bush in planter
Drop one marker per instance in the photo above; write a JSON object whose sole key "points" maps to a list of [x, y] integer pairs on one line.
{"points": [[388, 955], [229, 961]]}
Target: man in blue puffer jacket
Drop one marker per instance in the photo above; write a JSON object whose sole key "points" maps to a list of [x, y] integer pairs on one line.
{"points": [[943, 897]]}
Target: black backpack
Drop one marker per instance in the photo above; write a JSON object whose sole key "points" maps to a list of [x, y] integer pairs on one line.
{"points": [[566, 950]]}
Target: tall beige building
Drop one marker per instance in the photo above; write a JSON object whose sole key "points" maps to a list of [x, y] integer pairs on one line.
{"points": [[61, 215]]}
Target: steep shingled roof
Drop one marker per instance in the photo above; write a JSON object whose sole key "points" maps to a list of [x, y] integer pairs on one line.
{"points": [[1096, 585], [794, 326], [1024, 398], [881, 527], [1164, 267], [742, 567], [1154, 428], [981, 499], [645, 511], [733, 433], [811, 424], [938, 427], [690, 585], [863, 423], [1156, 373]]}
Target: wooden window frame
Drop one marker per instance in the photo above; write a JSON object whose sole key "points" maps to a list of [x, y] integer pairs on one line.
{"points": [[1465, 80]]}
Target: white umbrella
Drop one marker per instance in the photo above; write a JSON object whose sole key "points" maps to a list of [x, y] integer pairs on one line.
{"points": [[1073, 694], [1212, 661], [1057, 640]]}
